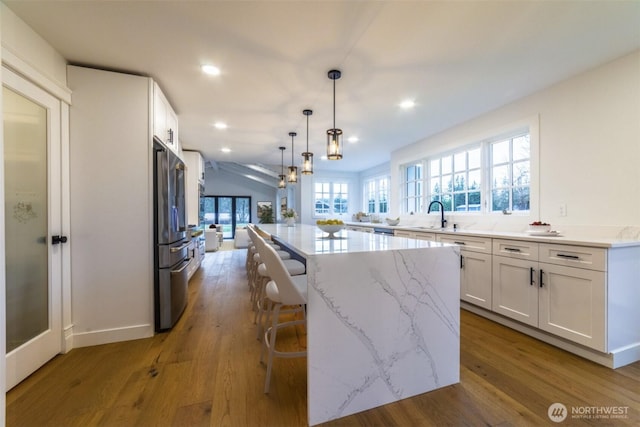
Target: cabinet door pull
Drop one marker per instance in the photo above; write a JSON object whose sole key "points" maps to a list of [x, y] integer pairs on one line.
{"points": [[459, 243], [461, 261], [541, 283], [568, 256], [170, 131], [512, 249], [531, 273]]}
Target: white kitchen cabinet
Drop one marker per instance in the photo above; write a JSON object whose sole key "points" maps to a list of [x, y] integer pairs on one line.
{"points": [[515, 280], [515, 290], [195, 253], [572, 293], [475, 268], [165, 120], [194, 185], [572, 304]]}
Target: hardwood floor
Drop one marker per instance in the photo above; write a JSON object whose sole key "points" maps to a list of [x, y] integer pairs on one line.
{"points": [[205, 372]]}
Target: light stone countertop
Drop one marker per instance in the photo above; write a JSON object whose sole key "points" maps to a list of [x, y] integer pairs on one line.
{"points": [[601, 242]]}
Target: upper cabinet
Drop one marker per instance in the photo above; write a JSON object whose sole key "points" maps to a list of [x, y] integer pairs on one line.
{"points": [[194, 184], [165, 120]]}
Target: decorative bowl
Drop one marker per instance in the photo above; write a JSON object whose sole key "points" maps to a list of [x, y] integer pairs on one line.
{"points": [[391, 221], [331, 228], [540, 227]]}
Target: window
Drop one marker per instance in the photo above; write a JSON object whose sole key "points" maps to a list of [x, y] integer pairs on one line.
{"points": [[376, 193], [412, 195], [489, 176], [511, 173], [455, 180], [331, 198]]}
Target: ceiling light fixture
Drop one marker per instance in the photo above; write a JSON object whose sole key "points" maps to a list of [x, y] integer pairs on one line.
{"points": [[225, 150], [307, 156], [293, 170], [334, 135], [407, 104], [283, 181], [212, 70], [353, 139], [220, 125]]}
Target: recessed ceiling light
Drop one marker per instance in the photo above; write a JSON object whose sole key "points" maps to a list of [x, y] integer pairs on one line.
{"points": [[225, 150], [212, 70], [323, 157], [220, 125], [353, 139], [407, 104]]}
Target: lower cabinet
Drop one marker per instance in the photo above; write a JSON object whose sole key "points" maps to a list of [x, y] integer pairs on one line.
{"points": [[533, 284], [515, 289], [475, 268], [475, 278], [572, 304], [195, 253]]}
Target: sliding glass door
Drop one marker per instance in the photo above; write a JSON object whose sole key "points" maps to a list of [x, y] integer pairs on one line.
{"points": [[228, 211]]}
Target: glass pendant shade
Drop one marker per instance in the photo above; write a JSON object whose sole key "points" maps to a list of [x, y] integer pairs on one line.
{"points": [[293, 170], [307, 156], [307, 163], [293, 174], [283, 178], [334, 144]]}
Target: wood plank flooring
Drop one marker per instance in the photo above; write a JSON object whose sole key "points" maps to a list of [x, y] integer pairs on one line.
{"points": [[206, 372]]}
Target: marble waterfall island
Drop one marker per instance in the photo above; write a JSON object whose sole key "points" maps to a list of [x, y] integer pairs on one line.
{"points": [[383, 318]]}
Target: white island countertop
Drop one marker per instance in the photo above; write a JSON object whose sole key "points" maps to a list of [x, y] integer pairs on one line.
{"points": [[308, 240], [383, 317]]}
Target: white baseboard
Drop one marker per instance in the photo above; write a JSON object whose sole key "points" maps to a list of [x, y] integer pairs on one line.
{"points": [[106, 336]]}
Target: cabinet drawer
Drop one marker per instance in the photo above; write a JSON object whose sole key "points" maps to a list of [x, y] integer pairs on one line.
{"points": [[469, 243], [574, 256], [425, 236], [516, 249]]}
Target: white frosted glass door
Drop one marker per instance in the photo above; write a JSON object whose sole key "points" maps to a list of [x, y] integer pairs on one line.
{"points": [[26, 230], [33, 331]]}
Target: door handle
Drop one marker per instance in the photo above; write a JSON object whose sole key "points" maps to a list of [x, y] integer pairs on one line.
{"points": [[58, 239], [531, 273], [541, 273]]}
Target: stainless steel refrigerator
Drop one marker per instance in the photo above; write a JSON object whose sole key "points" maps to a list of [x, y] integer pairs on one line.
{"points": [[171, 259]]}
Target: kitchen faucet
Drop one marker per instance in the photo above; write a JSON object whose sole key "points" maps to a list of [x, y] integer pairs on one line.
{"points": [[443, 222]]}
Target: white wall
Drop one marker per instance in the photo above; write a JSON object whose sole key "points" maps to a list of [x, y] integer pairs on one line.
{"points": [[589, 133]]}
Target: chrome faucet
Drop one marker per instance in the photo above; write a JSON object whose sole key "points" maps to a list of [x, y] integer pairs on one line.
{"points": [[443, 222]]}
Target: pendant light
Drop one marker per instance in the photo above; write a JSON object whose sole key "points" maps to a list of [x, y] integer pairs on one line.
{"points": [[293, 170], [283, 181], [307, 156], [334, 135]]}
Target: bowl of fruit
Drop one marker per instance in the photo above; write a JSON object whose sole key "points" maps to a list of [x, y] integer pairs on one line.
{"points": [[539, 227], [330, 226]]}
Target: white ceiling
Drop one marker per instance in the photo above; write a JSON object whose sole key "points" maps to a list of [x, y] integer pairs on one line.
{"points": [[455, 59]]}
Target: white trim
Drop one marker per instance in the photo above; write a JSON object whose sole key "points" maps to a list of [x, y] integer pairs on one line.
{"points": [[19, 66], [106, 336]]}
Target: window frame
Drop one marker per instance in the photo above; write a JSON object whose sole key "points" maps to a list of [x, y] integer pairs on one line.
{"points": [[374, 186], [332, 195]]}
